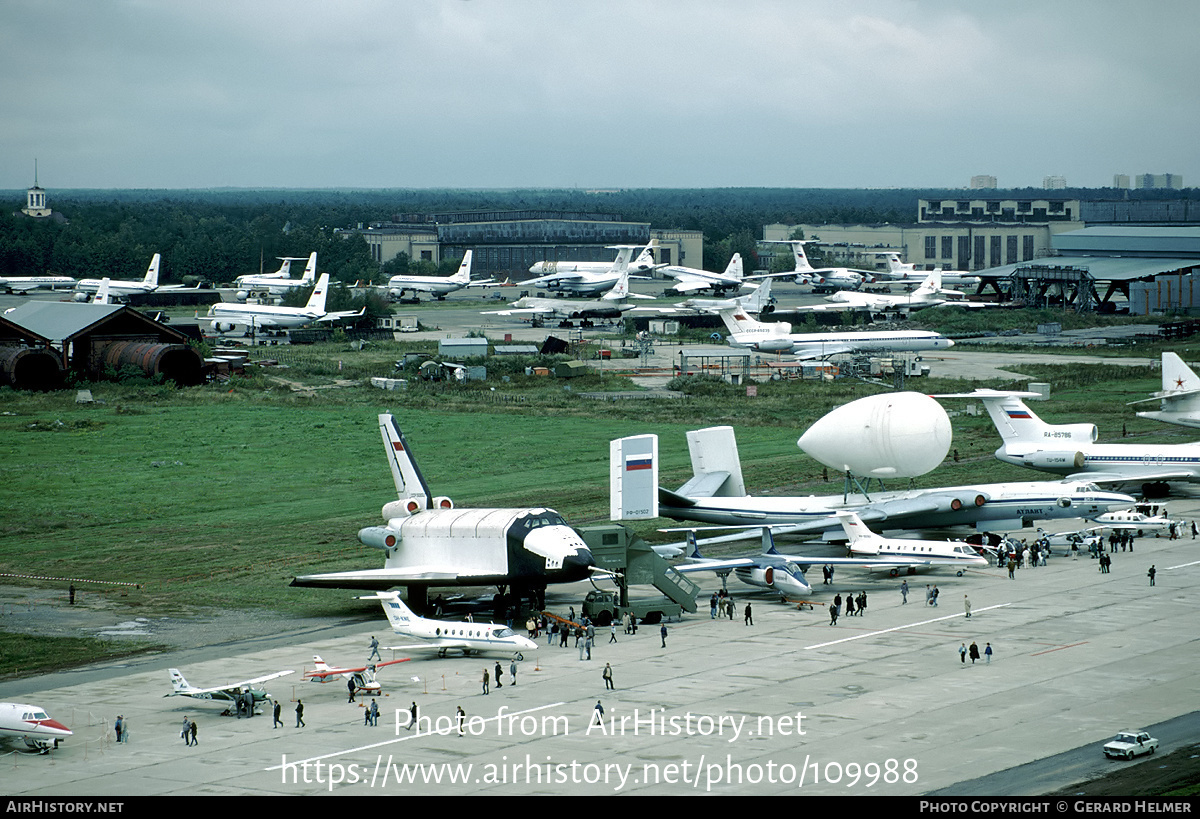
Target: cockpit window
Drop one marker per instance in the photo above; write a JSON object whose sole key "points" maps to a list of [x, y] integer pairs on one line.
{"points": [[502, 633], [547, 518]]}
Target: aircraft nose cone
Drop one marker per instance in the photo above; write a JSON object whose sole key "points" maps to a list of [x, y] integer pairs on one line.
{"points": [[579, 563]]}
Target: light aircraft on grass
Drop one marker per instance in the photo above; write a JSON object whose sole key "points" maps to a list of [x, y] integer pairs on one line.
{"points": [[363, 676], [1071, 449], [1180, 395], [437, 286], [777, 337], [279, 282], [592, 278], [228, 315], [442, 636], [427, 542], [225, 694], [32, 725], [716, 494]]}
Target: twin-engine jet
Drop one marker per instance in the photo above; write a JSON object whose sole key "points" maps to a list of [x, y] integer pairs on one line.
{"points": [[443, 636], [226, 316]]}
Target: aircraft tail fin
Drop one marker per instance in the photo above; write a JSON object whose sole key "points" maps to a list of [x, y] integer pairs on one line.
{"points": [[932, 284], [316, 302], [151, 280], [178, 683], [759, 300], [734, 269], [1177, 376], [716, 466], [463, 274], [620, 290], [645, 259], [803, 265], [410, 483], [633, 478], [310, 269], [102, 292], [736, 321], [768, 542], [319, 664], [693, 547], [859, 538], [399, 615], [1017, 423]]}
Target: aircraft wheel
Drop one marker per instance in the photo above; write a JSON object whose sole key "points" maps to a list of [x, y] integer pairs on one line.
{"points": [[959, 573], [894, 573], [520, 657]]}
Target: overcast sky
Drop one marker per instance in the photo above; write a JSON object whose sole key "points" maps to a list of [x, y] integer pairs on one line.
{"points": [[594, 93]]}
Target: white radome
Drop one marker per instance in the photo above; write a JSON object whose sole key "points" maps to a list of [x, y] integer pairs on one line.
{"points": [[894, 435]]}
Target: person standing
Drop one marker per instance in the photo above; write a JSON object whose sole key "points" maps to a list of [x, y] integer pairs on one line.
{"points": [[499, 674], [195, 741], [374, 650], [461, 716], [350, 687], [512, 670], [967, 605], [974, 652], [1151, 574], [608, 678], [903, 592], [749, 616], [119, 727], [850, 605], [833, 614], [278, 723], [712, 607], [486, 680], [662, 632], [300, 713], [412, 716], [186, 733], [987, 652], [935, 596], [962, 653], [612, 629], [374, 713], [598, 714], [862, 603], [837, 602]]}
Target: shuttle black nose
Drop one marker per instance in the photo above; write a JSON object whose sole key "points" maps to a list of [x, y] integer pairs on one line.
{"points": [[578, 564]]}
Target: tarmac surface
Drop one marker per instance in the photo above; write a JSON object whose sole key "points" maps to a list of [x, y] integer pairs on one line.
{"points": [[878, 704]]}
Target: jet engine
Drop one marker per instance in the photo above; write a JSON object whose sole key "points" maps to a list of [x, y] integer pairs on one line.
{"points": [[379, 537], [80, 297], [774, 345], [401, 508], [242, 295], [223, 326], [442, 502], [1045, 459]]}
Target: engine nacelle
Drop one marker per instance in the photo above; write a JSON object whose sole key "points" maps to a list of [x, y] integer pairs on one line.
{"points": [[80, 297], [401, 508], [242, 295], [379, 537], [442, 502], [1049, 459], [1087, 433], [223, 326], [774, 345]]}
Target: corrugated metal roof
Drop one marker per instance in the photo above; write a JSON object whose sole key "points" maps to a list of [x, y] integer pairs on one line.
{"points": [[1120, 240], [1101, 268], [57, 320]]}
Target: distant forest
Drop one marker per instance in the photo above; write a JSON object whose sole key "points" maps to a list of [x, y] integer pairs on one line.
{"points": [[216, 235]]}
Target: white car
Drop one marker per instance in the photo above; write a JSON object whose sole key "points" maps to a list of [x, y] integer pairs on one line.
{"points": [[1128, 744]]}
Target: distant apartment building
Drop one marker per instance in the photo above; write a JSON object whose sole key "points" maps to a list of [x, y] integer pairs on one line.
{"points": [[1158, 180], [1054, 183], [983, 181]]}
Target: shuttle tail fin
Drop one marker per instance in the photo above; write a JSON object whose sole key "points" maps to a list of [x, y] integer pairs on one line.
{"points": [[410, 483], [633, 478]]}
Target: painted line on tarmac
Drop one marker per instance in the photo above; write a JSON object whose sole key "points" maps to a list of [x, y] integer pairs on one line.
{"points": [[1182, 565], [902, 628], [406, 738]]}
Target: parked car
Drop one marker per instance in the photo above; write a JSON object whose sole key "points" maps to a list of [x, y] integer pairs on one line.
{"points": [[1128, 744]]}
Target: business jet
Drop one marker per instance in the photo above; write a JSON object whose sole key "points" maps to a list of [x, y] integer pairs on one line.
{"points": [[1179, 400], [443, 636], [716, 494], [148, 284], [23, 284], [228, 315], [608, 307], [279, 282], [224, 694], [32, 725], [427, 542], [690, 279], [437, 286], [777, 337], [592, 278], [1071, 449], [363, 676]]}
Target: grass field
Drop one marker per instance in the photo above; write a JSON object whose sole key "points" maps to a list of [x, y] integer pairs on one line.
{"points": [[219, 495]]}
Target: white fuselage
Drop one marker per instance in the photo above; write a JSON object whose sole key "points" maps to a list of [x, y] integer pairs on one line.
{"points": [[32, 725], [996, 506], [467, 637], [810, 343], [21, 284], [262, 315]]}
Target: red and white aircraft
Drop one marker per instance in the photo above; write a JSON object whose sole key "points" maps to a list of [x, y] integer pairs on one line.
{"points": [[31, 724], [364, 677]]}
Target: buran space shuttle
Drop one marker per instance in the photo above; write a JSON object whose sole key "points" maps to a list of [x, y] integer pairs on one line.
{"points": [[428, 542]]}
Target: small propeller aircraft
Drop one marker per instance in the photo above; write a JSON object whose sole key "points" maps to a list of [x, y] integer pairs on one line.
{"points": [[364, 677], [32, 725], [226, 694]]}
